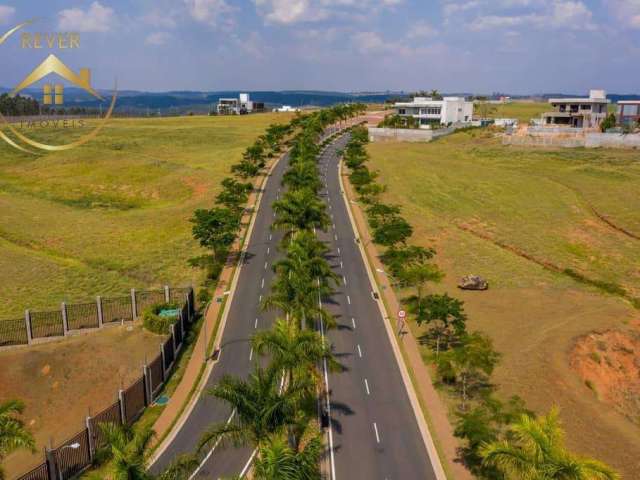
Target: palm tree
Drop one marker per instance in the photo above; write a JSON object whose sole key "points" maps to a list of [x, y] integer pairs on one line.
{"points": [[127, 451], [261, 408], [537, 451], [293, 350], [278, 461], [13, 433], [300, 210], [302, 175]]}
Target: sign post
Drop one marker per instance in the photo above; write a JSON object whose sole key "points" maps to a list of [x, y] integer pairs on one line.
{"points": [[401, 316]]}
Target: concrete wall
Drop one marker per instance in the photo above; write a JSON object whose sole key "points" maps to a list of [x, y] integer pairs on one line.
{"points": [[574, 140], [407, 135]]}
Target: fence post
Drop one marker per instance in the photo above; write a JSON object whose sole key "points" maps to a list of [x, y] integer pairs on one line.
{"points": [[167, 296], [65, 321], [52, 467], [90, 436], [122, 409], [147, 385], [134, 308], [27, 322], [173, 337], [182, 327], [100, 315], [190, 307], [164, 373]]}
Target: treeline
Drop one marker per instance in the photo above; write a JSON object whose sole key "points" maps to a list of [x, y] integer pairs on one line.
{"points": [[502, 440], [18, 106]]}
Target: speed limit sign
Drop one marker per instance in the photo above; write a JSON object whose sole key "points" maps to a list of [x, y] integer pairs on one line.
{"points": [[402, 314]]}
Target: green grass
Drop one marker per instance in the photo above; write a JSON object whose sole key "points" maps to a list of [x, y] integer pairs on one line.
{"points": [[112, 214], [547, 229], [523, 111]]}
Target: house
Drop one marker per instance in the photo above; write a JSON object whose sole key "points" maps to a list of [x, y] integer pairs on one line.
{"points": [[428, 111], [628, 112], [286, 108], [238, 106], [578, 112]]}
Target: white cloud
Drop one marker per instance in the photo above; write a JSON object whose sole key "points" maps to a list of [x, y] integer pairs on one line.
{"points": [[6, 13], [157, 38], [568, 14], [288, 12], [97, 18], [208, 11], [160, 19], [627, 11], [421, 30]]}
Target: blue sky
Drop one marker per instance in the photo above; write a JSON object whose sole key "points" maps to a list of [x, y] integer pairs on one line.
{"points": [[517, 46]]}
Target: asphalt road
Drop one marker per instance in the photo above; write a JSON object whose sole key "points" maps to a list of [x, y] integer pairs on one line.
{"points": [[236, 357], [375, 431]]}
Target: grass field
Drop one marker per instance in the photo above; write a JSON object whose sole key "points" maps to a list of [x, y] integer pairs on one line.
{"points": [[523, 111], [113, 214], [520, 218]]}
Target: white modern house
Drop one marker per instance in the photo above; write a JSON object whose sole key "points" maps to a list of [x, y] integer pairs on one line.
{"points": [[286, 108], [449, 110], [578, 112], [238, 106]]}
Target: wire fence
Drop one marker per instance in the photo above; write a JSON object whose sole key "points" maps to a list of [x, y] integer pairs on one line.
{"points": [[78, 453], [78, 316]]}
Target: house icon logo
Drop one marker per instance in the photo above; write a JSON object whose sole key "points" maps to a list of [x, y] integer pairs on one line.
{"points": [[52, 99], [53, 94]]}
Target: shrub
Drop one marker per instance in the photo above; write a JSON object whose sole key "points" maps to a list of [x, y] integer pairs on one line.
{"points": [[154, 323]]}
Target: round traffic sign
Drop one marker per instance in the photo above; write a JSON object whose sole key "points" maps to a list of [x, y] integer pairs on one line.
{"points": [[402, 314]]}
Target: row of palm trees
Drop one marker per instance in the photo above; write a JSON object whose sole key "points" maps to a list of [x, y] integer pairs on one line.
{"points": [[503, 441], [275, 409]]}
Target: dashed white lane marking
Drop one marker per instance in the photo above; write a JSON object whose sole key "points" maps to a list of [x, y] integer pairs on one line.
{"points": [[262, 284], [375, 428], [265, 265], [353, 322], [336, 237], [366, 384], [208, 456], [349, 299], [341, 264], [251, 355], [344, 279], [270, 237], [338, 250], [268, 250], [260, 299], [359, 350], [255, 325]]}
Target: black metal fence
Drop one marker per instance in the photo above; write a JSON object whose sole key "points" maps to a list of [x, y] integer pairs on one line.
{"points": [[77, 454], [77, 316]]}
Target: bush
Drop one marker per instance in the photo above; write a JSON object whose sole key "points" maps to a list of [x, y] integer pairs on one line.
{"points": [[154, 323]]}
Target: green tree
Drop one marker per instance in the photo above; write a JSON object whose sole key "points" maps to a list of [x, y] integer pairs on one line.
{"points": [[536, 451], [297, 352], [609, 122], [399, 258], [299, 210], [445, 314], [13, 432], [472, 361], [391, 231], [276, 460], [234, 194], [261, 408], [302, 175], [215, 229], [126, 450]]}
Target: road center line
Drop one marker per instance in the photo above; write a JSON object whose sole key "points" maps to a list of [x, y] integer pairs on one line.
{"points": [[349, 299], [353, 322], [359, 351], [268, 250], [265, 265], [366, 385], [256, 324], [375, 427], [262, 284], [344, 279]]}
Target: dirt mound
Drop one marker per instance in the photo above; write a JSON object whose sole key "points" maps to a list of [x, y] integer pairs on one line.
{"points": [[609, 364]]}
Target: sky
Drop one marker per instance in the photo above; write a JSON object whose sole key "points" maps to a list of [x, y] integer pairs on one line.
{"points": [[476, 46]]}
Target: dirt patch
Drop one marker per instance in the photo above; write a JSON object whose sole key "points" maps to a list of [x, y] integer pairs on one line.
{"points": [[61, 382], [609, 364]]}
